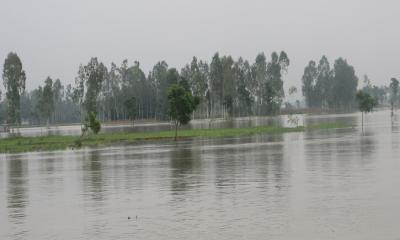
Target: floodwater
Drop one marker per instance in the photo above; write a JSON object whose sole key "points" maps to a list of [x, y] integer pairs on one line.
{"points": [[325, 184]]}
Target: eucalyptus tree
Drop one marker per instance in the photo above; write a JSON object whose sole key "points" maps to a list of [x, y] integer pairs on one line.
{"points": [[394, 87], [109, 93], [197, 75], [228, 86], [130, 106], [158, 77], [58, 98], [135, 86], [242, 75], [259, 69], [89, 83], [47, 100], [14, 82], [216, 84], [309, 80], [323, 87], [317, 84], [344, 85], [273, 93], [37, 107]]}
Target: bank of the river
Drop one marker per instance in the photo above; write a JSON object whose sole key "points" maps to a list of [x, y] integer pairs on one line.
{"points": [[57, 142]]}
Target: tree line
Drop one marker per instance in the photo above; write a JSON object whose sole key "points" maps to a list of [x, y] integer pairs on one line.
{"points": [[335, 88], [224, 87]]}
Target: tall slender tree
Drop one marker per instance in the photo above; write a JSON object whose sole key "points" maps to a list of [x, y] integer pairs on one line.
{"points": [[394, 87], [89, 81], [14, 82]]}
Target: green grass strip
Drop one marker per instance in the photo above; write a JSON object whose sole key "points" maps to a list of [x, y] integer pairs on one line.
{"points": [[60, 142]]}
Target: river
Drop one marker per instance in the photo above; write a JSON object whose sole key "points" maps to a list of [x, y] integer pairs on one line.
{"points": [[323, 184]]}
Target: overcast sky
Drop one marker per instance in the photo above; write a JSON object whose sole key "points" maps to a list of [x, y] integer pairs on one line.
{"points": [[52, 37]]}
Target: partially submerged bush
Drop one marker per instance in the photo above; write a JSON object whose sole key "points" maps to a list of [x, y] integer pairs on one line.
{"points": [[91, 123]]}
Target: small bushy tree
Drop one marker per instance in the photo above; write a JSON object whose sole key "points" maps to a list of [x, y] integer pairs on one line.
{"points": [[366, 104], [91, 123], [181, 105]]}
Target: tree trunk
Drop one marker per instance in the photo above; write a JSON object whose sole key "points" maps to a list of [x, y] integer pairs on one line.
{"points": [[362, 121], [392, 107], [176, 130]]}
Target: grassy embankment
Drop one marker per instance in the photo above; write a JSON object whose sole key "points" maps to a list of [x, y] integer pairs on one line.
{"points": [[51, 143]]}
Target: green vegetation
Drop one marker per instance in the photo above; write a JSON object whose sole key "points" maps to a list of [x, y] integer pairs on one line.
{"points": [[51, 143], [181, 105], [365, 103], [328, 88], [14, 82], [92, 124], [394, 87]]}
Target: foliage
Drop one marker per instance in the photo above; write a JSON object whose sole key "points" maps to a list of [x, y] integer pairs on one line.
{"points": [[329, 88], [394, 87], [89, 84], [14, 82], [366, 102], [225, 87], [380, 93], [91, 123], [46, 102], [130, 106], [181, 105]]}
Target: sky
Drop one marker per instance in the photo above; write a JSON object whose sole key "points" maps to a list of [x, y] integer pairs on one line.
{"points": [[53, 37]]}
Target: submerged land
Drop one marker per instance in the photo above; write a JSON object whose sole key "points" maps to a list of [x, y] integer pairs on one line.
{"points": [[60, 142]]}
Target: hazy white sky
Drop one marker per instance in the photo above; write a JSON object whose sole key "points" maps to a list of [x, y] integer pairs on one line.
{"points": [[52, 37]]}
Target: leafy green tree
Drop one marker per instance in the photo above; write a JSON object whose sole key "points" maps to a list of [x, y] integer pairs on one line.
{"points": [[242, 76], [259, 71], [344, 86], [273, 93], [228, 85], [309, 80], [394, 87], [90, 76], [14, 82], [181, 105], [47, 100], [216, 85], [379, 93], [58, 96], [107, 95], [158, 77], [130, 106], [323, 87], [135, 84], [91, 123], [366, 104], [197, 75]]}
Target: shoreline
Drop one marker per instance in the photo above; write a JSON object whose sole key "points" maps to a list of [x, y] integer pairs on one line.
{"points": [[62, 142]]}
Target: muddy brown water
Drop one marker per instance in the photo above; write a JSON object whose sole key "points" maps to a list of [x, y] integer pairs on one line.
{"points": [[325, 184]]}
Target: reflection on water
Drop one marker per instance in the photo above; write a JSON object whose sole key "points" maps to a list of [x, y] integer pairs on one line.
{"points": [[325, 184], [17, 188]]}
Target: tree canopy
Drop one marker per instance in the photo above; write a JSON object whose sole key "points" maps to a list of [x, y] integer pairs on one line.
{"points": [[14, 82], [181, 105]]}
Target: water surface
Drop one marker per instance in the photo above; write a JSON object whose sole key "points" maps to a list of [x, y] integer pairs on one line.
{"points": [[326, 184]]}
